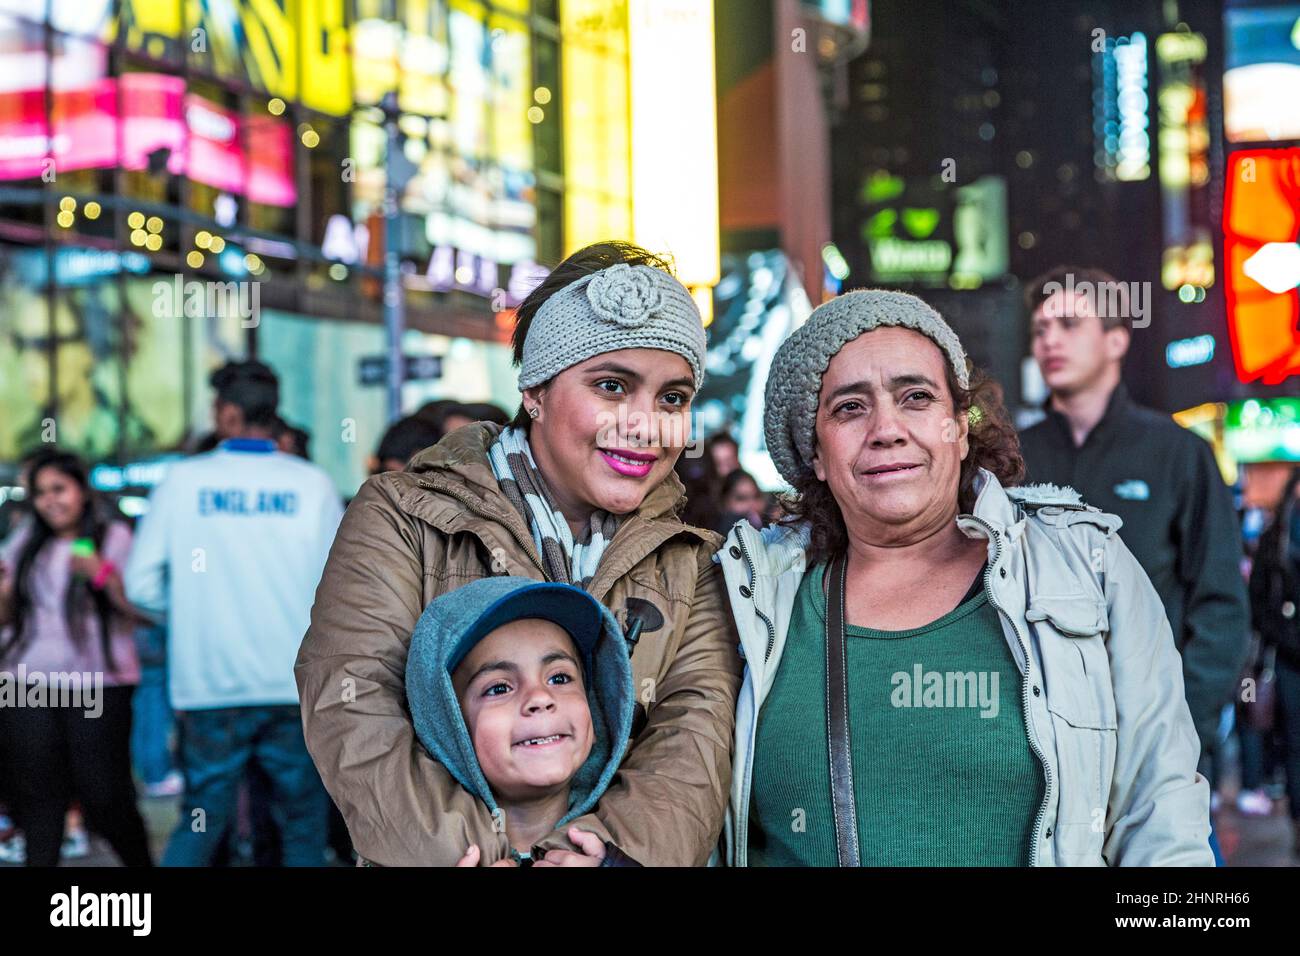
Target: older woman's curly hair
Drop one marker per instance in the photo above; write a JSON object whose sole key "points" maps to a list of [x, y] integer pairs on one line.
{"points": [[994, 445]]}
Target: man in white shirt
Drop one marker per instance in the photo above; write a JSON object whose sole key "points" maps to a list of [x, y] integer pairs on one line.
{"points": [[231, 551]]}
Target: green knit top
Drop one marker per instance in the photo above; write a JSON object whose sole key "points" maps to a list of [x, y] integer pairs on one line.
{"points": [[942, 767]]}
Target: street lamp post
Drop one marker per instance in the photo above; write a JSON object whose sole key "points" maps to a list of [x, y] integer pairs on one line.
{"points": [[394, 304]]}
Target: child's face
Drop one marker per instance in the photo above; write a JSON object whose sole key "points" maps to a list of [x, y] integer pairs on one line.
{"points": [[522, 694]]}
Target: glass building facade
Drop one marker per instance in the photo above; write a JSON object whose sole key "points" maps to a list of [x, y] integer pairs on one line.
{"points": [[184, 182]]}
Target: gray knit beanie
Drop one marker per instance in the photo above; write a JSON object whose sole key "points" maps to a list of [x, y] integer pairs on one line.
{"points": [[621, 307], [794, 381]]}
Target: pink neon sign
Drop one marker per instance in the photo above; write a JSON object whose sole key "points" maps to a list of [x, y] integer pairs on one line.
{"points": [[204, 139]]}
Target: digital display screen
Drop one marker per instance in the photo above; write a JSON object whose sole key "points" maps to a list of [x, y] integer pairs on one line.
{"points": [[1263, 430], [1261, 82]]}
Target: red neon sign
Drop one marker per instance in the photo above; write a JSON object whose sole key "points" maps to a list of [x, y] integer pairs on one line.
{"points": [[1261, 205]]}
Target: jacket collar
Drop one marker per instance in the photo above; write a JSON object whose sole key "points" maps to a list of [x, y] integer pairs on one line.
{"points": [[992, 503], [465, 493], [260, 446], [1117, 407]]}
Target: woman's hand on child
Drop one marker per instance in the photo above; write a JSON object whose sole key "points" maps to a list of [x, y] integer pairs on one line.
{"points": [[473, 854], [592, 847]]}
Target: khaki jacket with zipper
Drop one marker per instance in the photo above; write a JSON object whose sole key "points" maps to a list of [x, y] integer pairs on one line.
{"points": [[411, 536], [1102, 685]]}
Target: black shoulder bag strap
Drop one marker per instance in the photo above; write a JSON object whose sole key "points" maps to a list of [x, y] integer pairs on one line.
{"points": [[837, 719]]}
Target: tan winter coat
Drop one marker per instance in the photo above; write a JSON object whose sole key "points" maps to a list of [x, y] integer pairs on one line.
{"points": [[411, 536]]}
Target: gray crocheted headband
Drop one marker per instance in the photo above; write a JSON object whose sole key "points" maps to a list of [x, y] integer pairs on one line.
{"points": [[794, 381], [621, 307]]}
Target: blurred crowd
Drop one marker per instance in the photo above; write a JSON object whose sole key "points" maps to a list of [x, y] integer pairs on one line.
{"points": [[78, 595]]}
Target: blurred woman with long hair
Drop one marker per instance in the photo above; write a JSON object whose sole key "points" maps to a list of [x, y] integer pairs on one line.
{"points": [[63, 613], [1274, 598]]}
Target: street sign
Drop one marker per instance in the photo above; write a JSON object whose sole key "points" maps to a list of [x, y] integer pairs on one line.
{"points": [[372, 370]]}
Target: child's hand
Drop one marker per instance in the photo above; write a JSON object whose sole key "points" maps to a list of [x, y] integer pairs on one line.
{"points": [[592, 847], [473, 854]]}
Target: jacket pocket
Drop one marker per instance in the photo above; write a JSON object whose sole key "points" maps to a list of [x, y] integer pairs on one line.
{"points": [[1071, 634], [1086, 766], [1081, 702], [1073, 614], [1071, 637]]}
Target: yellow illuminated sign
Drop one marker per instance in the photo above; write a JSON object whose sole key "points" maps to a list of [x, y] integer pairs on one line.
{"points": [[640, 129], [160, 17], [675, 134], [266, 41], [597, 133], [326, 64]]}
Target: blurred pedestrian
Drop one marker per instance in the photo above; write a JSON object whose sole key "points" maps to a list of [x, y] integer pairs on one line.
{"points": [[724, 451], [291, 439], [476, 412], [448, 415], [699, 476], [64, 613], [435, 413], [404, 438], [1254, 723], [1275, 598], [231, 549], [742, 500], [1160, 478]]}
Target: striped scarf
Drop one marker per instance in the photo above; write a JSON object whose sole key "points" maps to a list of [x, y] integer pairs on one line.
{"points": [[564, 559]]}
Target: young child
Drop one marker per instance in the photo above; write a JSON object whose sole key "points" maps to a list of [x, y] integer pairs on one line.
{"points": [[523, 691]]}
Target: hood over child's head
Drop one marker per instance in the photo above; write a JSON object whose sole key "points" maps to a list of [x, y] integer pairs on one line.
{"points": [[521, 688]]}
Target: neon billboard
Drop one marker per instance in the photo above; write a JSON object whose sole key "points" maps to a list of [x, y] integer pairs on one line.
{"points": [[1261, 224]]}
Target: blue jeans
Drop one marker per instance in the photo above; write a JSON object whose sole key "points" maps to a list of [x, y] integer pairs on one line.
{"points": [[215, 748], [152, 721]]}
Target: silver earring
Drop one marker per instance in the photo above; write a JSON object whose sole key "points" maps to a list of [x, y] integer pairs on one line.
{"points": [[533, 412]]}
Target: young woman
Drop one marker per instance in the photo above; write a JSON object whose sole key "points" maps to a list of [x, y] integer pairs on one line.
{"points": [[63, 612], [580, 489]]}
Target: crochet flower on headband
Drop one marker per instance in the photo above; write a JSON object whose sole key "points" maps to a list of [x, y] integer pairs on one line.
{"points": [[624, 294]]}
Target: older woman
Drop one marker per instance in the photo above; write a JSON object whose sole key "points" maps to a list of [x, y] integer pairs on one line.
{"points": [[579, 489], [941, 670]]}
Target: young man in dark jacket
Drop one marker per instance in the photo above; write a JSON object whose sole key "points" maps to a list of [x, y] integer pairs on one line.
{"points": [[1160, 478]]}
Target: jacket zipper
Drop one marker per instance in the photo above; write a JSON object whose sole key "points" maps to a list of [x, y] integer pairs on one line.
{"points": [[742, 823], [753, 594], [1024, 685]]}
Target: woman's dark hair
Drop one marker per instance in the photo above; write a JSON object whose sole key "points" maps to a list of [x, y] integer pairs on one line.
{"points": [[730, 482], [483, 412], [93, 524], [994, 445], [699, 476], [435, 413], [407, 437], [585, 261]]}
